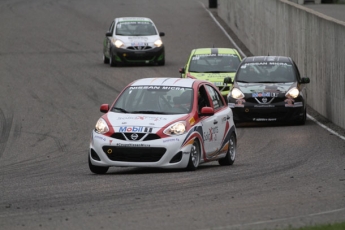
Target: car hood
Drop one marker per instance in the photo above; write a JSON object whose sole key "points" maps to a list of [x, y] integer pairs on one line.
{"points": [[155, 121], [212, 77], [264, 87], [138, 40]]}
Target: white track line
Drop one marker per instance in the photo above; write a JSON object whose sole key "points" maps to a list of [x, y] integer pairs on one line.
{"points": [[243, 55]]}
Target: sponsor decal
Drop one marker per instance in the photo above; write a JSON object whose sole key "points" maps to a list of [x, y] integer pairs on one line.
{"points": [[135, 129], [138, 38], [152, 118], [261, 94], [240, 102], [159, 87], [192, 121], [131, 129], [270, 106], [171, 140], [211, 134], [110, 141], [101, 138], [218, 83], [289, 102], [139, 44], [264, 63], [264, 119], [231, 105], [132, 145]]}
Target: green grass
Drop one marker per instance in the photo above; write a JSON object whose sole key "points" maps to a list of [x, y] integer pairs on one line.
{"points": [[337, 226]]}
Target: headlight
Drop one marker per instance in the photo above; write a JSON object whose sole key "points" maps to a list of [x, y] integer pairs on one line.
{"points": [[294, 92], [158, 43], [236, 93], [117, 43], [177, 128], [101, 126]]}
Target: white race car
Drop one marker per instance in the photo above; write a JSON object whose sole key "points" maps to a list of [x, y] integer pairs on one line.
{"points": [[133, 40], [164, 123]]}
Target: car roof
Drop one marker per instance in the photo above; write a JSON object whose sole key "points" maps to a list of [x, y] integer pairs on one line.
{"points": [[200, 51], [176, 82], [267, 59], [127, 19]]}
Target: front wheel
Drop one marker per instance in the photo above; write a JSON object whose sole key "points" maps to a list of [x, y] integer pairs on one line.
{"points": [[112, 62], [105, 59], [97, 169], [161, 62], [194, 156], [304, 118], [230, 156]]}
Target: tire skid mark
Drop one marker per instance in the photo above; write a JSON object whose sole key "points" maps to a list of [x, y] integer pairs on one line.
{"points": [[5, 128], [41, 137]]}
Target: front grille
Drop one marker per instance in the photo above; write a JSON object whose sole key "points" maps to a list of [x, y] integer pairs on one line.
{"points": [[139, 47], [151, 136], [141, 136], [275, 100], [134, 154]]}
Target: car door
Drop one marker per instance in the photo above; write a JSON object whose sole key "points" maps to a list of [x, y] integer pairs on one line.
{"points": [[220, 118], [209, 124]]}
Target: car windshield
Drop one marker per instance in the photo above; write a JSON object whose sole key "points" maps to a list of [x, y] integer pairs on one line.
{"points": [[213, 63], [266, 72], [155, 100], [135, 28]]}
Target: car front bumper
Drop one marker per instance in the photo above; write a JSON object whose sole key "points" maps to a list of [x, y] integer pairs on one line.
{"points": [[161, 153], [129, 56], [279, 112]]}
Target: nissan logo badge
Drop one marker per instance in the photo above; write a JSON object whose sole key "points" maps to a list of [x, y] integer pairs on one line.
{"points": [[134, 136]]}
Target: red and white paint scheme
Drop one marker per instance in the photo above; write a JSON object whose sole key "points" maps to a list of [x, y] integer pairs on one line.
{"points": [[164, 123]]}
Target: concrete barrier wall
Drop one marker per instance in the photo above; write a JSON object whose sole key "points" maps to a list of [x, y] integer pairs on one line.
{"points": [[314, 41]]}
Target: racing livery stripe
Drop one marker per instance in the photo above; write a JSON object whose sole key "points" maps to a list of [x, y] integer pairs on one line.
{"points": [[227, 126], [177, 80], [165, 80], [154, 79], [214, 51]]}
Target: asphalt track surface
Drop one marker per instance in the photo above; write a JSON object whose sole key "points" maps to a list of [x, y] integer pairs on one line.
{"points": [[52, 84]]}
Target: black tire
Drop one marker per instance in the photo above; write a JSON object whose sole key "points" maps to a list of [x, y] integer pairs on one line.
{"points": [[302, 122], [105, 59], [112, 62], [230, 156], [161, 62], [194, 156], [97, 169]]}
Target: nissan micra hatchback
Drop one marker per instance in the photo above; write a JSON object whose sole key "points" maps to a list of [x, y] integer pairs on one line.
{"points": [[133, 40]]}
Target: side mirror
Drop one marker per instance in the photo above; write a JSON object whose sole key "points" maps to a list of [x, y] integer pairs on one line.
{"points": [[181, 70], [104, 108], [108, 34], [161, 34], [228, 80], [305, 80], [207, 111]]}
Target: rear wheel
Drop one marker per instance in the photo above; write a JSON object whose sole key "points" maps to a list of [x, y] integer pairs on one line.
{"points": [[97, 169], [229, 159], [194, 156]]}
